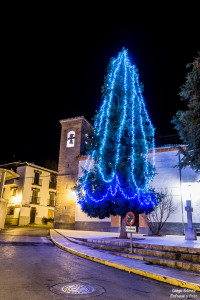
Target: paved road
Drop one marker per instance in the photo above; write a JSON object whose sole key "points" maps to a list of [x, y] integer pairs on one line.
{"points": [[31, 267]]}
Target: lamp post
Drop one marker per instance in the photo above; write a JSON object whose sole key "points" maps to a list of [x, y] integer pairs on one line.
{"points": [[180, 178]]}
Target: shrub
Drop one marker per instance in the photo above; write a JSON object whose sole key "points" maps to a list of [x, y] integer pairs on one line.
{"points": [[46, 220]]}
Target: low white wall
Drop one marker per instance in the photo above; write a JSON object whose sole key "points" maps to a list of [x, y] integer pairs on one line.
{"points": [[168, 177], [3, 212], [83, 217]]}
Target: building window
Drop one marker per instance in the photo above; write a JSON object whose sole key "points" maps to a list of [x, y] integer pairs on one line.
{"points": [[36, 179], [70, 139], [50, 213], [51, 201], [34, 198], [13, 191], [52, 182]]}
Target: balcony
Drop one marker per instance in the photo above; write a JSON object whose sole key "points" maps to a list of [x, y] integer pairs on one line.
{"points": [[51, 203], [35, 200], [37, 181], [52, 185]]}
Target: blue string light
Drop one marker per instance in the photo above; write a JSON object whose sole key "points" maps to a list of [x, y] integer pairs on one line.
{"points": [[134, 109], [144, 199]]}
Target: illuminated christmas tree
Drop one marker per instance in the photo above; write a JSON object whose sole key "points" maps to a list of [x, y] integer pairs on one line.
{"points": [[118, 172]]}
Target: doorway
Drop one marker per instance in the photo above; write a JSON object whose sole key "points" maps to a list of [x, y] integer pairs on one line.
{"points": [[32, 214], [50, 213]]}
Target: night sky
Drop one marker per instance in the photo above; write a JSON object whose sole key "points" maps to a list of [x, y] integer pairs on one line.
{"points": [[54, 66]]}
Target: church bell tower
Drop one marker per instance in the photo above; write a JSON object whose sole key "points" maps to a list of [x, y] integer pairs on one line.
{"points": [[72, 145]]}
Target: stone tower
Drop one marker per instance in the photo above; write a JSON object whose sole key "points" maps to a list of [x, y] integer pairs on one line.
{"points": [[72, 145]]}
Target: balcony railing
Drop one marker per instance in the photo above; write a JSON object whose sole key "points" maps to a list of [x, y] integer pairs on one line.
{"points": [[52, 185], [51, 202], [37, 181], [35, 200]]}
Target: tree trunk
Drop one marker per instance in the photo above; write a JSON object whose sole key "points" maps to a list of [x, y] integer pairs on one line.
{"points": [[123, 233]]}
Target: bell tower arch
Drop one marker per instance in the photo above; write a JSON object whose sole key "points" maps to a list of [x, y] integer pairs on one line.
{"points": [[72, 144]]}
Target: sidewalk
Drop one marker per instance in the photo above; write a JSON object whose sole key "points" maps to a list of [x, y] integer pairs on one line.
{"points": [[168, 240], [168, 275]]}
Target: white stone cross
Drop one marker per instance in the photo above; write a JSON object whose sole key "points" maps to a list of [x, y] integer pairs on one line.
{"points": [[190, 233], [189, 210]]}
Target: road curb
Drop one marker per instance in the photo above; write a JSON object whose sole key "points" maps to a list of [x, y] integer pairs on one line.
{"points": [[157, 277]]}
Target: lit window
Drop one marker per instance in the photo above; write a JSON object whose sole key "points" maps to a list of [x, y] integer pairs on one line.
{"points": [[52, 199], [13, 191], [34, 198], [52, 196], [50, 213]]}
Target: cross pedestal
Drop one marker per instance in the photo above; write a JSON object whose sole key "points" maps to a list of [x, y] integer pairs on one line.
{"points": [[190, 233]]}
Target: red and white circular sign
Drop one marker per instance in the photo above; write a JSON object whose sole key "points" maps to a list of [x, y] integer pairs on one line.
{"points": [[130, 218]]}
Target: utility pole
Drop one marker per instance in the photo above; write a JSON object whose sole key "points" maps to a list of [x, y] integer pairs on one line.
{"points": [[180, 178]]}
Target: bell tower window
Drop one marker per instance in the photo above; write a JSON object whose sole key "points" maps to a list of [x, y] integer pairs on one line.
{"points": [[70, 139]]}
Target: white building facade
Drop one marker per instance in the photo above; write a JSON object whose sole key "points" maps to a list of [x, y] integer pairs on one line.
{"points": [[31, 197], [180, 184]]}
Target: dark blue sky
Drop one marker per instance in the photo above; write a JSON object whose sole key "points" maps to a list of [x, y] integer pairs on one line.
{"points": [[54, 67]]}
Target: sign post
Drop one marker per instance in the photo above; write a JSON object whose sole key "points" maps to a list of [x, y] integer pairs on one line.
{"points": [[130, 219]]}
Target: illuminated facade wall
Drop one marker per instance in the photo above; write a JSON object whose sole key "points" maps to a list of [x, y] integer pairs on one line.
{"points": [[30, 196], [72, 144], [186, 187], [181, 184]]}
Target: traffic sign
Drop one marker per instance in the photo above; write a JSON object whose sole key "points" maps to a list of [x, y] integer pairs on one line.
{"points": [[130, 218], [130, 228]]}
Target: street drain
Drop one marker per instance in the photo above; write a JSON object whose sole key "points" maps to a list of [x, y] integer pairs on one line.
{"points": [[77, 289]]}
